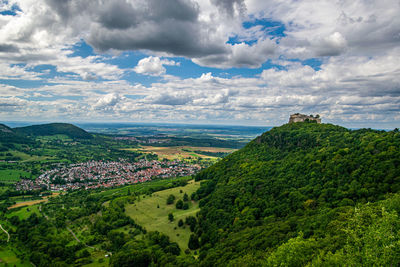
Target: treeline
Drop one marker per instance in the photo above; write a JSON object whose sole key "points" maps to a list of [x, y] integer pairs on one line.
{"points": [[296, 182], [54, 128], [200, 142]]}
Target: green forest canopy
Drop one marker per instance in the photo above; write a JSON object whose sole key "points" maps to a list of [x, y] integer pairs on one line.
{"points": [[300, 180]]}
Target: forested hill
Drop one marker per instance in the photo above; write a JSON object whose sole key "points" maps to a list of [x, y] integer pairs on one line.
{"points": [[8, 137], [54, 128], [288, 198]]}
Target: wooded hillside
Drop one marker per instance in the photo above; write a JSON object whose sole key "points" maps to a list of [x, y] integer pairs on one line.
{"points": [[298, 181]]}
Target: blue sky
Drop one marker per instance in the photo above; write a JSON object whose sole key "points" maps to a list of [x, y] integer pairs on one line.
{"points": [[207, 62]]}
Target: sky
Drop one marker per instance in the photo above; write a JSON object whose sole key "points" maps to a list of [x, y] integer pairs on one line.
{"points": [[239, 62]]}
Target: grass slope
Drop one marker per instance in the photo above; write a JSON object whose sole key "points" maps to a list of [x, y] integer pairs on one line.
{"points": [[146, 213], [24, 212]]}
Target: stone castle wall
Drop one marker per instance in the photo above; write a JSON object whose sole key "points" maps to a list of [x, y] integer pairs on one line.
{"points": [[301, 118]]}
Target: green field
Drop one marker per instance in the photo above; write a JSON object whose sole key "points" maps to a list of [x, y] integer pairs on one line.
{"points": [[146, 213], [12, 175], [99, 260], [8, 257], [54, 137], [24, 212], [24, 157]]}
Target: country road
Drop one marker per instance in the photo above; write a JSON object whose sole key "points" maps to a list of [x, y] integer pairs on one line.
{"points": [[8, 239]]}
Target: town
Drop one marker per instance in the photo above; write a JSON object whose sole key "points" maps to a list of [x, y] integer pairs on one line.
{"points": [[105, 174]]}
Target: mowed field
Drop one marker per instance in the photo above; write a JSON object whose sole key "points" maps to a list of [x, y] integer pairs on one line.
{"points": [[181, 152], [32, 202], [146, 213]]}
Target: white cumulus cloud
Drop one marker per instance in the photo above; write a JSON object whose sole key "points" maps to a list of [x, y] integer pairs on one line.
{"points": [[153, 66]]}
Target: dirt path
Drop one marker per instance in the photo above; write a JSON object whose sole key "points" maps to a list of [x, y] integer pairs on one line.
{"points": [[27, 203], [76, 238], [73, 234], [8, 239]]}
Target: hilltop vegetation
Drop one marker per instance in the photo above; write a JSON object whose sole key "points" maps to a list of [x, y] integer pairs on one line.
{"points": [[8, 138], [67, 129], [297, 183]]}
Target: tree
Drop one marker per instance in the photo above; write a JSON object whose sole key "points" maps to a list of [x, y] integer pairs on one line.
{"points": [[131, 258], [180, 223], [179, 204], [185, 206], [185, 197], [193, 242], [170, 199], [170, 217]]}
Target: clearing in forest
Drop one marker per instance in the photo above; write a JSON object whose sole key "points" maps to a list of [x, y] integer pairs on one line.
{"points": [[151, 212]]}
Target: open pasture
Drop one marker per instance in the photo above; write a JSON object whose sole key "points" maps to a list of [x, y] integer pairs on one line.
{"points": [[152, 212]]}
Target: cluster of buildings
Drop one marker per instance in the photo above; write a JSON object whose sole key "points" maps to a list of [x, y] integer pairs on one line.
{"points": [[95, 174]]}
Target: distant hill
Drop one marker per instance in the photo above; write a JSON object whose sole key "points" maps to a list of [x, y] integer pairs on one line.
{"points": [[288, 197], [9, 137], [5, 130], [54, 128]]}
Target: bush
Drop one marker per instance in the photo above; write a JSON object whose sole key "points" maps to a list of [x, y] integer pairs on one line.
{"points": [[170, 199], [179, 204], [193, 242]]}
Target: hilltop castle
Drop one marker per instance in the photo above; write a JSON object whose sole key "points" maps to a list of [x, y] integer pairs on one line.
{"points": [[297, 117]]}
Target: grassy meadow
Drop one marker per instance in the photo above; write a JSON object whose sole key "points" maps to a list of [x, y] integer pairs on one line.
{"points": [[152, 212], [24, 212]]}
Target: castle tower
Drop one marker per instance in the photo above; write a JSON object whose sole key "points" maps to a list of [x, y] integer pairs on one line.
{"points": [[297, 117]]}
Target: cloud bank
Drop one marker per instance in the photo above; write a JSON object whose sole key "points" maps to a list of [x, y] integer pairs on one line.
{"points": [[262, 46]]}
